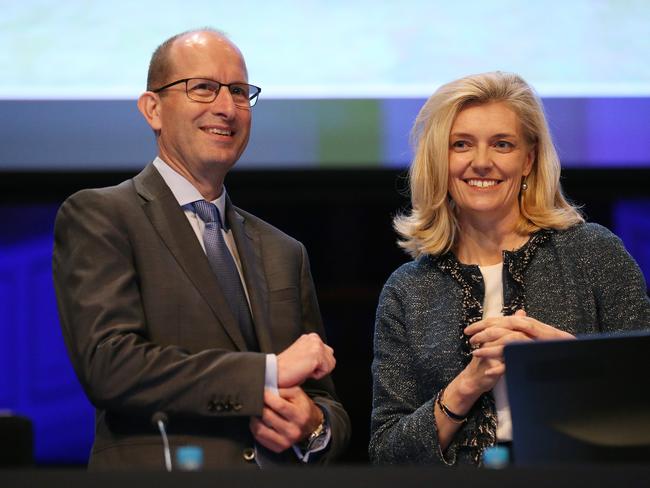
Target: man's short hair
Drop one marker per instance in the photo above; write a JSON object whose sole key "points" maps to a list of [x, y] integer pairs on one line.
{"points": [[160, 65]]}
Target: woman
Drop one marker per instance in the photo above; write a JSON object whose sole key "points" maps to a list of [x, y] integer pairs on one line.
{"points": [[499, 256]]}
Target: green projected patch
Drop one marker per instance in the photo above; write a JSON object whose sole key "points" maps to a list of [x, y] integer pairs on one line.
{"points": [[349, 133]]}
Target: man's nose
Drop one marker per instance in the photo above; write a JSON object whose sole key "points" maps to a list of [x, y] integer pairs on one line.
{"points": [[223, 103]]}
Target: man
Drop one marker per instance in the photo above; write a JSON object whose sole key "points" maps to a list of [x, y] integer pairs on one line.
{"points": [[172, 300]]}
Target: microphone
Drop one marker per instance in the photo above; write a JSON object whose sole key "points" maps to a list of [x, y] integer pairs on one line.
{"points": [[159, 419]]}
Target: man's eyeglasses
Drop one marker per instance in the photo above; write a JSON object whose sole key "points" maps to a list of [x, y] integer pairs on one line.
{"points": [[206, 91]]}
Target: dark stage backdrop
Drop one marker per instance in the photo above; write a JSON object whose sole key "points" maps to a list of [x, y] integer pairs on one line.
{"points": [[342, 216]]}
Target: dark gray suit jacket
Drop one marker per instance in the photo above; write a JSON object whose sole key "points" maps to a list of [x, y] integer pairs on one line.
{"points": [[148, 328]]}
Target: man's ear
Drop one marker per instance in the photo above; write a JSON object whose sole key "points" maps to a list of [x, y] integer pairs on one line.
{"points": [[149, 106]]}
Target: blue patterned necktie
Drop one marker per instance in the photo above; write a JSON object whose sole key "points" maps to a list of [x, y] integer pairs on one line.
{"points": [[224, 267]]}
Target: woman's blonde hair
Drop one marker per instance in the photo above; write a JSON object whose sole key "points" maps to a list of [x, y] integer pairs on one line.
{"points": [[431, 226]]}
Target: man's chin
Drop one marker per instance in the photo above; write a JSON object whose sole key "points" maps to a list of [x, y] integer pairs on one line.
{"points": [[225, 163]]}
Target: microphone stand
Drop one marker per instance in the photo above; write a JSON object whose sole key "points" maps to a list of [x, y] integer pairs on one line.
{"points": [[159, 419]]}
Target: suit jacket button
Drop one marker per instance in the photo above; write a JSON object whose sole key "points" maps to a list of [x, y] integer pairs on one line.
{"points": [[249, 454]]}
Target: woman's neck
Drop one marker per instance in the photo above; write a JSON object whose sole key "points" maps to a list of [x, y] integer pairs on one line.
{"points": [[482, 242]]}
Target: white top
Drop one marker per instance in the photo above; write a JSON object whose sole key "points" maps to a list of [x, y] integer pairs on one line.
{"points": [[492, 307]]}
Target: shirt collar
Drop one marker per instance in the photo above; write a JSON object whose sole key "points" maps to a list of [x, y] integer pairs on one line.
{"points": [[186, 193]]}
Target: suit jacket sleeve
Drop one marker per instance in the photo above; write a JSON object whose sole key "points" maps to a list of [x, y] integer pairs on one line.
{"points": [[124, 365]]}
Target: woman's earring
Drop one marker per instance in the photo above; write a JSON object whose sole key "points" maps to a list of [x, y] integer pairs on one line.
{"points": [[524, 186]]}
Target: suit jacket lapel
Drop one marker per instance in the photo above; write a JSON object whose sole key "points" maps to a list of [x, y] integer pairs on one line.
{"points": [[250, 255], [170, 222]]}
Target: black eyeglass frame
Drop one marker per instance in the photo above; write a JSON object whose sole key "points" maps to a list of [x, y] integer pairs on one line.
{"points": [[251, 98]]}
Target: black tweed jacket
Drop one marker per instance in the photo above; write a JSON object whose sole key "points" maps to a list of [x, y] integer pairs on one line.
{"points": [[581, 280]]}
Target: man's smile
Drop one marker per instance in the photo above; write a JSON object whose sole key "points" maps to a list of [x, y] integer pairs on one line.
{"points": [[217, 131]]}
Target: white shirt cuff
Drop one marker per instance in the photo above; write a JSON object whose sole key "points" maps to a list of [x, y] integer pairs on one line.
{"points": [[271, 374]]}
